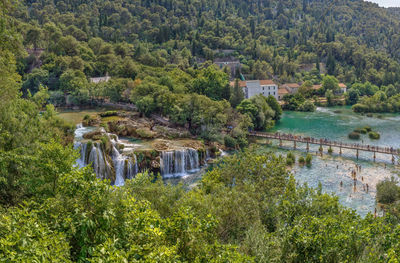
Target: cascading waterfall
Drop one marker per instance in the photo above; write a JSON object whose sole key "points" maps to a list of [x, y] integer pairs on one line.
{"points": [[166, 163], [179, 162], [192, 163], [125, 167]]}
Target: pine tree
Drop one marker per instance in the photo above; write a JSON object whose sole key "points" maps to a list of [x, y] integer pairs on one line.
{"points": [[331, 64], [237, 94]]}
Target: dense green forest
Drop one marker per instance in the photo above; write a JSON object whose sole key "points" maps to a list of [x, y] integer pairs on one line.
{"points": [[156, 51], [249, 208]]}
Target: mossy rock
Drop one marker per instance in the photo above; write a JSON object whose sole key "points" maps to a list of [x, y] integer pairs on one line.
{"points": [[93, 135], [367, 128], [374, 135], [145, 133], [354, 135]]}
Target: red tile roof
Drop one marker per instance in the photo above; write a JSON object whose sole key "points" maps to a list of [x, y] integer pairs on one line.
{"points": [[317, 86], [342, 85], [291, 85], [267, 82], [283, 91]]}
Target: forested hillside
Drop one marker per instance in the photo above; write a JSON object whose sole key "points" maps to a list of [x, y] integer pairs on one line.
{"points": [[270, 37]]}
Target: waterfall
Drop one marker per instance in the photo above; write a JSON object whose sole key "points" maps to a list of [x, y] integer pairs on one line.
{"points": [[192, 163], [125, 167], [179, 162], [167, 165]]}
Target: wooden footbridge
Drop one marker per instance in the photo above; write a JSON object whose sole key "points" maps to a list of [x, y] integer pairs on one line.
{"points": [[325, 142]]}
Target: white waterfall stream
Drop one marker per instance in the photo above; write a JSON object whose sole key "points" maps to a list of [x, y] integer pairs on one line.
{"points": [[178, 163], [125, 167]]}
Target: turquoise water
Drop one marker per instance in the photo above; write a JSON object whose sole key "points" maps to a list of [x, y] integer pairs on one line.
{"points": [[330, 170]]}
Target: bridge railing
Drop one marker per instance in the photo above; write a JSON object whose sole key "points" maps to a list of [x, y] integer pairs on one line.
{"points": [[356, 146]]}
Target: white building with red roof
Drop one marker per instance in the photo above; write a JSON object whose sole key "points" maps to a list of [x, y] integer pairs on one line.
{"points": [[258, 87]]}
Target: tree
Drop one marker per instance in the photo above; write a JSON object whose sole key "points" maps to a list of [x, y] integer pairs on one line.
{"points": [[273, 103], [237, 94], [330, 83], [331, 64], [329, 97], [33, 36], [259, 111], [352, 96]]}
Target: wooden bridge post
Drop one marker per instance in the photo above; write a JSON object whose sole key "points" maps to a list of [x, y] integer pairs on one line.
{"points": [[294, 144], [340, 150], [308, 147], [374, 156], [321, 150], [357, 154], [280, 142], [393, 159]]}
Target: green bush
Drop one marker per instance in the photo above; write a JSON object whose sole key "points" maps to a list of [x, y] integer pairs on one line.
{"points": [[302, 160], [388, 191], [367, 128], [307, 106], [229, 142], [330, 150], [109, 113], [363, 131], [290, 159], [354, 135], [374, 135], [358, 130], [145, 133], [308, 159], [86, 117]]}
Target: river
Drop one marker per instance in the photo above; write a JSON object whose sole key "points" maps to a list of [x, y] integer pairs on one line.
{"points": [[329, 170]]}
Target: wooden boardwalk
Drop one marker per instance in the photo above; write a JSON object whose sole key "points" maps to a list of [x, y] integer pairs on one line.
{"points": [[324, 142]]}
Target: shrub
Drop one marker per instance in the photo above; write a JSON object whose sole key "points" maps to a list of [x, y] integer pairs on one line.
{"points": [[363, 131], [145, 133], [354, 136], [374, 135], [387, 191], [367, 128], [359, 108], [308, 159], [330, 150], [109, 113], [358, 130], [86, 117], [307, 106], [302, 160], [229, 141], [290, 159]]}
